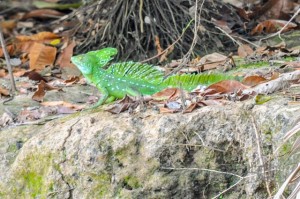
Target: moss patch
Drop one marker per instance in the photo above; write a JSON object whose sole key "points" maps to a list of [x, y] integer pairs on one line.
{"points": [[102, 188], [131, 182], [30, 179]]}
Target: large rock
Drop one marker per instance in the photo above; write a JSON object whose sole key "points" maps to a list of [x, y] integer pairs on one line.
{"points": [[149, 155]]}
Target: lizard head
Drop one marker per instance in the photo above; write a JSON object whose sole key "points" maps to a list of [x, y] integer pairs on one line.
{"points": [[103, 56], [84, 63], [98, 59]]}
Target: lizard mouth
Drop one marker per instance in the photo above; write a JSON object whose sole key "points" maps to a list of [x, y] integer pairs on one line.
{"points": [[82, 64]]}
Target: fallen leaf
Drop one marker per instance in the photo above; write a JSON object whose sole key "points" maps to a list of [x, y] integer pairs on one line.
{"points": [[225, 86], [245, 50], [166, 110], [63, 103], [166, 94], [55, 42], [43, 14], [157, 44], [40, 56], [190, 108], [253, 80], [271, 26], [212, 61], [72, 80], [4, 91], [261, 99], [37, 37], [291, 64], [10, 50], [222, 24], [123, 105], [19, 72], [274, 85], [41, 91], [275, 75], [64, 58], [2, 73], [32, 75], [8, 25]]}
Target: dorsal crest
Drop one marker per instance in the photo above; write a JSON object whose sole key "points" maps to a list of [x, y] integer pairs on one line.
{"points": [[138, 71]]}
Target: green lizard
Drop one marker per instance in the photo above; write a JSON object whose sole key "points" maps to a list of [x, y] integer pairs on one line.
{"points": [[132, 78]]}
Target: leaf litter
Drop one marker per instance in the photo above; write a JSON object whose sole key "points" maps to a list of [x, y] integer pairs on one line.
{"points": [[43, 57]]}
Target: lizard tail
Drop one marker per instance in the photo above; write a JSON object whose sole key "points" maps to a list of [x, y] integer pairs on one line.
{"points": [[191, 81]]}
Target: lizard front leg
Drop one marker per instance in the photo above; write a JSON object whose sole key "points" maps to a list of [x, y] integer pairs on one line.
{"points": [[104, 97]]}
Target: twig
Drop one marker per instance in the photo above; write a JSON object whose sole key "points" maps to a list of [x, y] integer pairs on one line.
{"points": [[261, 161], [247, 41], [210, 170], [9, 67], [141, 16], [283, 186], [164, 51], [235, 41], [280, 31], [224, 191], [195, 38]]}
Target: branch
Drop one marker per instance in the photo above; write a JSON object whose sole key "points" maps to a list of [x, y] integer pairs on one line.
{"points": [[7, 59]]}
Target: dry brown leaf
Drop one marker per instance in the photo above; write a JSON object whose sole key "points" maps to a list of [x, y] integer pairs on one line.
{"points": [[212, 61], [43, 14], [280, 9], [222, 24], [8, 25], [63, 103], [41, 91], [275, 75], [32, 75], [245, 50], [166, 110], [10, 49], [72, 80], [274, 85], [271, 26], [64, 58], [225, 86], [253, 80], [2, 73], [123, 105], [4, 91], [19, 72], [168, 51], [190, 108], [292, 64], [41, 55], [157, 44], [37, 37], [166, 94]]}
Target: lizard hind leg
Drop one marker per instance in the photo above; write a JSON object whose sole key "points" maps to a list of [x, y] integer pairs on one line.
{"points": [[110, 99]]}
